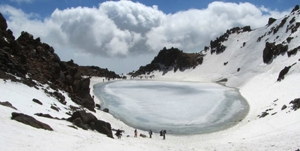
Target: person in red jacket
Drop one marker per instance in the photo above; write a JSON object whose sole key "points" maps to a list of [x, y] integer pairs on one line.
{"points": [[135, 133]]}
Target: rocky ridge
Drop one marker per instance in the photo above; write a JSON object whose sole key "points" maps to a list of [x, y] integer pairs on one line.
{"points": [[34, 63], [27, 60], [170, 59], [165, 60]]}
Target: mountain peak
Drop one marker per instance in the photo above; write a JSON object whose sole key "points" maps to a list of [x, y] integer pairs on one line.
{"points": [[171, 59]]}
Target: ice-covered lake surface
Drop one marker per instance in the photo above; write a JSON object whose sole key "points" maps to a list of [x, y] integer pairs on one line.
{"points": [[179, 107]]}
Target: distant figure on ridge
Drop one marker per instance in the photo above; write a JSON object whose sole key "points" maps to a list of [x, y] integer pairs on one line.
{"points": [[135, 133], [164, 134], [150, 134]]}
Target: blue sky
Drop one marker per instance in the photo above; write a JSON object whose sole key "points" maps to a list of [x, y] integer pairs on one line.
{"points": [[46, 7], [124, 35]]}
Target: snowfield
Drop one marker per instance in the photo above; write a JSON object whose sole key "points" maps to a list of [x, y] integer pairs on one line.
{"points": [[256, 81], [277, 132]]}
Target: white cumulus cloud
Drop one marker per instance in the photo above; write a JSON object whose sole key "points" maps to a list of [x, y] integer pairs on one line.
{"points": [[126, 29]]}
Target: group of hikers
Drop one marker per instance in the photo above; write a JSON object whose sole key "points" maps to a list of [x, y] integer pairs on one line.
{"points": [[162, 133]]}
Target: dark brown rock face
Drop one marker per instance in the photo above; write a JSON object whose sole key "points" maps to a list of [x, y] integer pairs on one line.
{"points": [[37, 101], [8, 104], [171, 59], [295, 104], [271, 50], [3, 24], [86, 120], [29, 58], [28, 120], [284, 71], [104, 128]]}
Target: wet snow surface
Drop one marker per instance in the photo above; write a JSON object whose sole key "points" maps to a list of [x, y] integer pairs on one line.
{"points": [[179, 107]]}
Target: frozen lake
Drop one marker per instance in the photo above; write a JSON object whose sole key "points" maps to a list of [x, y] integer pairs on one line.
{"points": [[178, 107]]}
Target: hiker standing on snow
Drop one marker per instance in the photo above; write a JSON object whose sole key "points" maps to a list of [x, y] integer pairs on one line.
{"points": [[164, 134], [119, 133], [135, 133], [150, 134]]}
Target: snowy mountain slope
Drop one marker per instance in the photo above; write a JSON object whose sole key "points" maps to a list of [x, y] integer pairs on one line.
{"points": [[242, 64], [242, 61], [244, 51]]}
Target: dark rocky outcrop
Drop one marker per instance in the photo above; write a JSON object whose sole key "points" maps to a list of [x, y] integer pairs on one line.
{"points": [[263, 114], [293, 52], [170, 59], [98, 106], [216, 45], [283, 107], [37, 101], [281, 25], [29, 56], [271, 50], [103, 127], [28, 120], [55, 108], [143, 135], [86, 121], [84, 116], [79, 123], [271, 21], [97, 71], [44, 115], [295, 104], [3, 24], [283, 72], [289, 39], [295, 8], [8, 104], [106, 110]]}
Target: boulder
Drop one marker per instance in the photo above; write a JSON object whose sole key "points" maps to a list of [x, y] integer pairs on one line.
{"points": [[263, 114], [8, 104], [28, 120], [106, 110], [84, 116], [104, 128], [98, 106], [78, 122], [283, 107], [143, 135], [295, 104], [86, 120], [55, 108], [37, 101]]}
